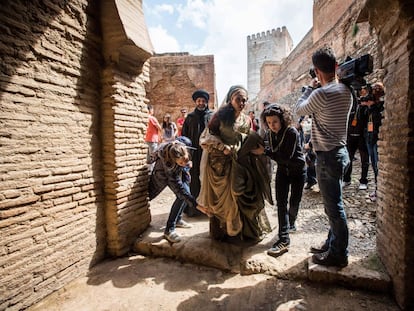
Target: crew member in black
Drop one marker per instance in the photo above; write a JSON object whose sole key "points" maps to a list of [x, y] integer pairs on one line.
{"points": [[193, 126]]}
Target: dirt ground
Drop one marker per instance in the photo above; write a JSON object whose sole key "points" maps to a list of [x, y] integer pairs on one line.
{"points": [[139, 283], [136, 282]]}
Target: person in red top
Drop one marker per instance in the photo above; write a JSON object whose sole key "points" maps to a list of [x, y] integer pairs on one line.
{"points": [[153, 135], [180, 121], [254, 125]]}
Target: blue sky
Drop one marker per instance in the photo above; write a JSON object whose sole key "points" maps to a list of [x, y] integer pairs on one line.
{"points": [[220, 28]]}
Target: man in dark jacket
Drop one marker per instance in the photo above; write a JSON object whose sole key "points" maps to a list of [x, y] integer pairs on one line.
{"points": [[356, 141], [193, 126]]}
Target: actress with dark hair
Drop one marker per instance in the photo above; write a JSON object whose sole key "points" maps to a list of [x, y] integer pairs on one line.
{"points": [[234, 181], [285, 147]]}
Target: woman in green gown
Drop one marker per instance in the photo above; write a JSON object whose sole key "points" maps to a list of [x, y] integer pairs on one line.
{"points": [[234, 178]]}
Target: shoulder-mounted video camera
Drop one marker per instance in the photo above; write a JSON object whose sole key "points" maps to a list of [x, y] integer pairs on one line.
{"points": [[353, 70]]}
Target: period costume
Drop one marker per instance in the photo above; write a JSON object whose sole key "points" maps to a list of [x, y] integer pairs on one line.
{"points": [[233, 187]]}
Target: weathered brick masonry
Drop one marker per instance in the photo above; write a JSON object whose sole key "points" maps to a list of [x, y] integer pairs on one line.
{"points": [[51, 201], [343, 36], [174, 78], [393, 20], [72, 122], [126, 47]]}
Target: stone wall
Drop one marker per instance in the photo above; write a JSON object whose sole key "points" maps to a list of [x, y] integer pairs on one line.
{"points": [[73, 178], [268, 72], [347, 39], [385, 30], [272, 45], [326, 14], [395, 224], [51, 201], [175, 77], [124, 120], [126, 48]]}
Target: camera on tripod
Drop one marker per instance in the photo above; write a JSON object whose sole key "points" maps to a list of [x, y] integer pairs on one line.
{"points": [[353, 70]]}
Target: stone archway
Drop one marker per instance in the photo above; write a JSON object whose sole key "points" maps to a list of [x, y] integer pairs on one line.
{"points": [[395, 227]]}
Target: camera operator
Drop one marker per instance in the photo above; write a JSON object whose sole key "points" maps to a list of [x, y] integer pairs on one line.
{"points": [[356, 141], [329, 106], [375, 104]]}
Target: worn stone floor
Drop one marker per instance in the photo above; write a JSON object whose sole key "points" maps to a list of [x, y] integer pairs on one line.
{"points": [[201, 273]]}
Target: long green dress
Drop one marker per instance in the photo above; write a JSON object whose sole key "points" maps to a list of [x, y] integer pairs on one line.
{"points": [[234, 187]]}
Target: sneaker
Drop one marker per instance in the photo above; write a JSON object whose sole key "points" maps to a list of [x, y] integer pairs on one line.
{"points": [[315, 188], [363, 187], [183, 224], [327, 259], [292, 228], [279, 248], [308, 185], [172, 237], [319, 249]]}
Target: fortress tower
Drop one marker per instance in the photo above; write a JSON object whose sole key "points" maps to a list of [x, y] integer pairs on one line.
{"points": [[270, 46]]}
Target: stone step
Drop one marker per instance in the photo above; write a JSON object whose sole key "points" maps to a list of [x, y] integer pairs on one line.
{"points": [[242, 258]]}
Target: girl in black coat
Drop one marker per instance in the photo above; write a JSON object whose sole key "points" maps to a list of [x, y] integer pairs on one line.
{"points": [[284, 147]]}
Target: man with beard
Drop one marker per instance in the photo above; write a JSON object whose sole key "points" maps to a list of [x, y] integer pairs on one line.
{"points": [[193, 126]]}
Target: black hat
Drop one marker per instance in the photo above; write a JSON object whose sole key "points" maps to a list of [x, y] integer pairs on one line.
{"points": [[201, 93]]}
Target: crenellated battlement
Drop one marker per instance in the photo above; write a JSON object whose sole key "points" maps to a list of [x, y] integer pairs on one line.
{"points": [[271, 45], [279, 32]]}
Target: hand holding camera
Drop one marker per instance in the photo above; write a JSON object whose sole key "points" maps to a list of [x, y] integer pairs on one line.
{"points": [[315, 81]]}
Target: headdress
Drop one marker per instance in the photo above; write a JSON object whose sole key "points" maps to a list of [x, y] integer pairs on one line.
{"points": [[201, 93], [234, 89]]}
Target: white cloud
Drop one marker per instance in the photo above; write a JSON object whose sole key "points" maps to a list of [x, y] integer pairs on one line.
{"points": [[162, 41], [161, 8], [226, 25], [193, 12]]}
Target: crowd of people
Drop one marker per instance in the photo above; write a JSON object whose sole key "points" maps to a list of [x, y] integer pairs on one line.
{"points": [[221, 163]]}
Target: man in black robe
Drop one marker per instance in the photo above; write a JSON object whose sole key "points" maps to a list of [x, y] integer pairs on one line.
{"points": [[193, 126]]}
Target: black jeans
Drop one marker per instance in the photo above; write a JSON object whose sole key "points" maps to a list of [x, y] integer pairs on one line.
{"points": [[355, 143], [285, 179]]}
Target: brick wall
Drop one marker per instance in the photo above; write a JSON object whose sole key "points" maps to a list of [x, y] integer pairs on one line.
{"points": [[383, 29], [51, 203], [268, 72], [175, 77], [325, 15], [73, 178], [395, 224], [124, 121], [345, 39]]}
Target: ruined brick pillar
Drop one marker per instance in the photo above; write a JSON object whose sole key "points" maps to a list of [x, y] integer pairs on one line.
{"points": [[124, 118], [395, 243]]}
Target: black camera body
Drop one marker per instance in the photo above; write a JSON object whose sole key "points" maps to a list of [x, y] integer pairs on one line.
{"points": [[312, 73], [353, 70]]}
